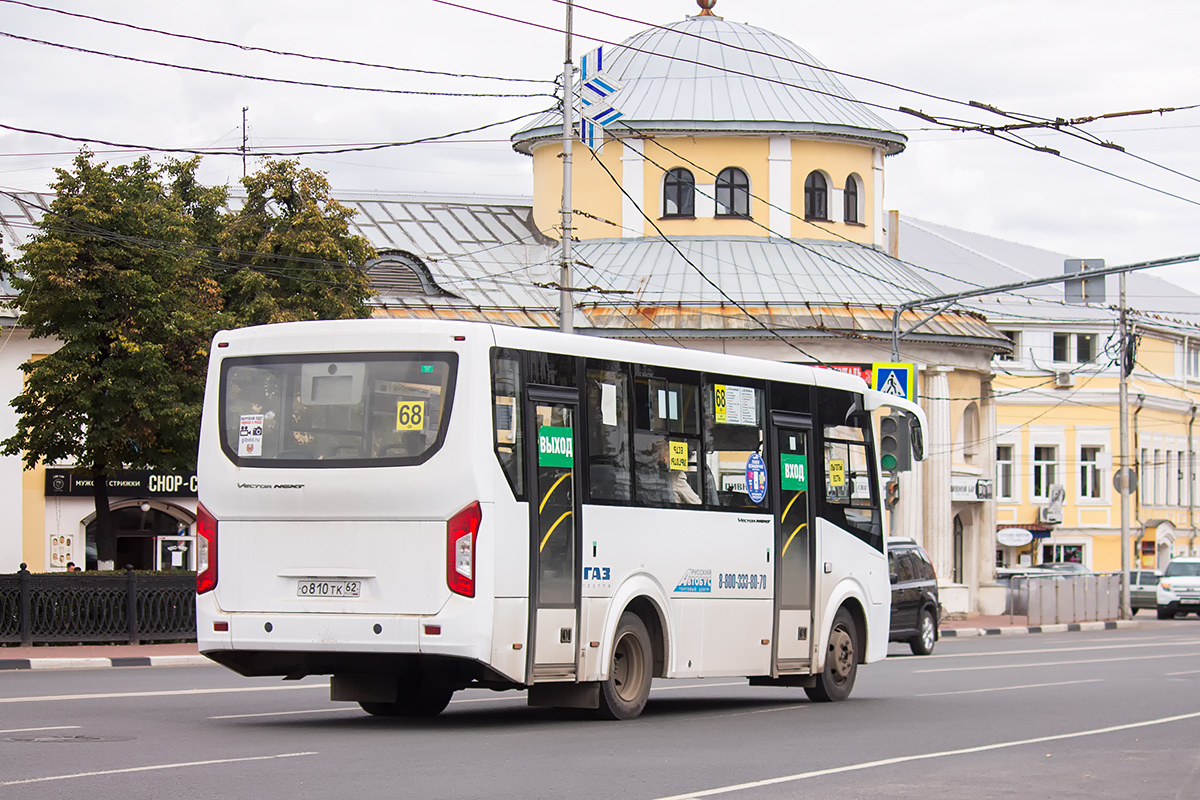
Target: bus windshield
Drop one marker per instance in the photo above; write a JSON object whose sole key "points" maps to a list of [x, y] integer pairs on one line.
{"points": [[355, 409]]}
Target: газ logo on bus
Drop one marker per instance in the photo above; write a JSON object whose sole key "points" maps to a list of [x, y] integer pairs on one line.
{"points": [[695, 580]]}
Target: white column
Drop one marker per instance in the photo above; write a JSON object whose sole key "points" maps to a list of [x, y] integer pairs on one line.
{"points": [[633, 181], [779, 193], [877, 197], [939, 523]]}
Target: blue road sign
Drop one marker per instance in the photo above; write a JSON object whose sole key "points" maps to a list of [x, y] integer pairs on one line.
{"points": [[894, 379]]}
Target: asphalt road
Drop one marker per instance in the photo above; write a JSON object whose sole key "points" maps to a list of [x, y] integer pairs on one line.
{"points": [[1111, 714]]}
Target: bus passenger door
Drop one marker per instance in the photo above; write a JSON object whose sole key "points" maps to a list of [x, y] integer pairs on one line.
{"points": [[554, 535], [793, 543]]}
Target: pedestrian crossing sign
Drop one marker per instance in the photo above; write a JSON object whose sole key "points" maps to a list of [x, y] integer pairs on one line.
{"points": [[894, 379]]}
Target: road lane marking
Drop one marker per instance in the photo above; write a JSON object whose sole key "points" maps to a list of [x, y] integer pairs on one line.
{"points": [[696, 686], [509, 698], [1188, 672], [1010, 688], [1058, 663], [820, 773], [1139, 646], [288, 713], [50, 728], [163, 693], [153, 767]]}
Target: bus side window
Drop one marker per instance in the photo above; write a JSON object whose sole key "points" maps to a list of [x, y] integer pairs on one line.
{"points": [[733, 446], [607, 397], [506, 418], [666, 439]]}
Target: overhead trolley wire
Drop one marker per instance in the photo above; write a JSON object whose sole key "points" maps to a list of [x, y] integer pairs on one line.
{"points": [[285, 81], [271, 51], [282, 153]]}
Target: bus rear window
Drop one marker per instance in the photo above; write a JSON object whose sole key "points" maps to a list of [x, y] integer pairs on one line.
{"points": [[354, 409]]}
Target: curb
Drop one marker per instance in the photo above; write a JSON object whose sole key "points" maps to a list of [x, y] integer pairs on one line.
{"points": [[96, 663], [1111, 625]]}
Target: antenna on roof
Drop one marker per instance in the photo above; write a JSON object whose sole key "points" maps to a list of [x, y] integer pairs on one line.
{"points": [[706, 7]]}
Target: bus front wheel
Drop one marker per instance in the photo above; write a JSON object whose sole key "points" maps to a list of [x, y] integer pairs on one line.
{"points": [[841, 662], [624, 694]]}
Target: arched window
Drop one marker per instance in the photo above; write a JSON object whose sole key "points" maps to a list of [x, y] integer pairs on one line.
{"points": [[851, 199], [733, 193], [816, 196], [679, 194]]}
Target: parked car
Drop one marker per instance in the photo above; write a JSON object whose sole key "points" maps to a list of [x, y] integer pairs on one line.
{"points": [[1143, 588], [1179, 590], [916, 613]]}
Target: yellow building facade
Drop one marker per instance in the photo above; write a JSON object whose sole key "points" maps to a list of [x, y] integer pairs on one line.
{"points": [[1056, 444]]}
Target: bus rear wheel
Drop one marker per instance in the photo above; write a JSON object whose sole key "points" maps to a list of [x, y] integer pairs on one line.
{"points": [[414, 698], [624, 694], [841, 662]]}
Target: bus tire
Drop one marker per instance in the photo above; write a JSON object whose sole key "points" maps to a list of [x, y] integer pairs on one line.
{"points": [[624, 694], [413, 699], [841, 662]]}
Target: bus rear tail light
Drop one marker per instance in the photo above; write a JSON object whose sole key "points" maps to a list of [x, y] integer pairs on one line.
{"points": [[461, 531], [206, 550]]}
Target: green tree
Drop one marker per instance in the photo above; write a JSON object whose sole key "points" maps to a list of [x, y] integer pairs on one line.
{"points": [[114, 273], [298, 258]]}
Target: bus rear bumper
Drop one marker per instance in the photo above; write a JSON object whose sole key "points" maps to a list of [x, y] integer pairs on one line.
{"points": [[309, 644]]}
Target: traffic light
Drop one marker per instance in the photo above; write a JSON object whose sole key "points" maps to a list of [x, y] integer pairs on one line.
{"points": [[895, 445], [892, 496]]}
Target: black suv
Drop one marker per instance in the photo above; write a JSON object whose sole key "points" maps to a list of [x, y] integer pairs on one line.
{"points": [[916, 612]]}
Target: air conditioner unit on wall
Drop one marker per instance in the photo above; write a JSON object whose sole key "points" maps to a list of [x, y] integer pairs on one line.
{"points": [[1050, 516], [1064, 380]]}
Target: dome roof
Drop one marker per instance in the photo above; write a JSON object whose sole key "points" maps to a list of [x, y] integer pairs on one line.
{"points": [[705, 74]]}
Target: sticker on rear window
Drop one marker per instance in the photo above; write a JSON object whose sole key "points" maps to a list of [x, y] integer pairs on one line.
{"points": [[250, 435], [410, 416]]}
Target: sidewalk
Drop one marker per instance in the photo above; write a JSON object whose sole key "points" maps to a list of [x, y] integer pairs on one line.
{"points": [[87, 656], [1004, 625]]}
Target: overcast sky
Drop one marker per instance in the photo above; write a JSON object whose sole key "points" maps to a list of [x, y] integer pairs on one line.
{"points": [[1049, 58]]}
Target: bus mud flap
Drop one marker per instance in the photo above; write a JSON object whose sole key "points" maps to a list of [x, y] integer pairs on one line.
{"points": [[565, 695]]}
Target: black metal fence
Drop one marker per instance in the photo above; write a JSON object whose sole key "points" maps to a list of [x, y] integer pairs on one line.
{"points": [[82, 607]]}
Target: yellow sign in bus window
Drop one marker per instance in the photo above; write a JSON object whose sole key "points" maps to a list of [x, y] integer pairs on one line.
{"points": [[837, 472], [410, 416], [679, 455]]}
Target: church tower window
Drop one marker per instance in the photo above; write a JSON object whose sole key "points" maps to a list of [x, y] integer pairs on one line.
{"points": [[733, 193], [679, 193]]}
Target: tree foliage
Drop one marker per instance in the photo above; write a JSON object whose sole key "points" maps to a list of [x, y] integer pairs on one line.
{"points": [[299, 259], [133, 270], [112, 274]]}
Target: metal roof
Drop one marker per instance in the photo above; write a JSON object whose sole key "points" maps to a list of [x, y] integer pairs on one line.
{"points": [[749, 269], [482, 258], [707, 74], [958, 260]]}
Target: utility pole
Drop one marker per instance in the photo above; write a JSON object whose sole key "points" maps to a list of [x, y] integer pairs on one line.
{"points": [[1126, 476], [244, 110], [564, 273]]}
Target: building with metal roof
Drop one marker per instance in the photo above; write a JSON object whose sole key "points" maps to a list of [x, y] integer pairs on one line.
{"points": [[737, 207], [1057, 413]]}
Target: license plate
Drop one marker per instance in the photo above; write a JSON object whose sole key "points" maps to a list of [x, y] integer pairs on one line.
{"points": [[1190, 601], [308, 588]]}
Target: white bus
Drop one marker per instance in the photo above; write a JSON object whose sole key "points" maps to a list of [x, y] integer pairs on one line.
{"points": [[417, 507]]}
